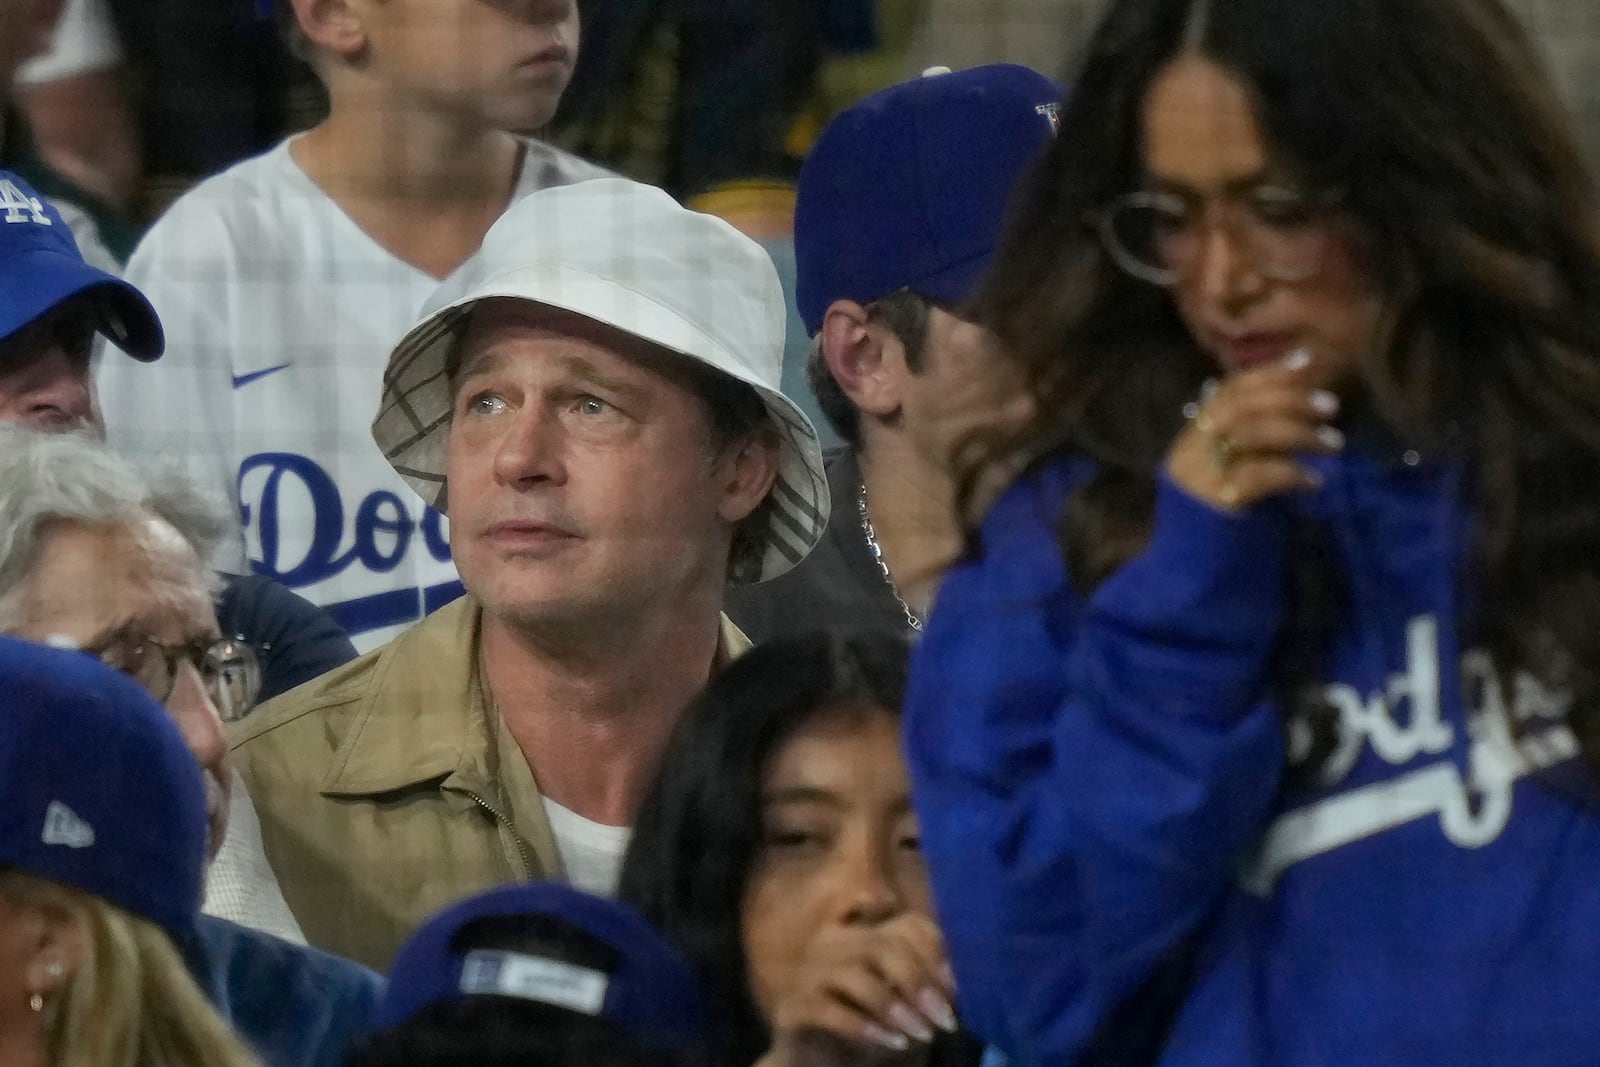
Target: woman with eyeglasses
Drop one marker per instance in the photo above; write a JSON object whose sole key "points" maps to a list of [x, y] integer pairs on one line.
{"points": [[1260, 727]]}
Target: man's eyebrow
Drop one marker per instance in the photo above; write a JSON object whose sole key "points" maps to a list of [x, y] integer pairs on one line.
{"points": [[126, 630], [492, 361], [480, 362], [583, 368]]}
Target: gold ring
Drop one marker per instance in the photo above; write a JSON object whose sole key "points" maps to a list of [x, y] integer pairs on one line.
{"points": [[1223, 452]]}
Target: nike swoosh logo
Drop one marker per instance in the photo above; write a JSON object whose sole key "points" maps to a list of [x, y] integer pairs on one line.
{"points": [[242, 380]]}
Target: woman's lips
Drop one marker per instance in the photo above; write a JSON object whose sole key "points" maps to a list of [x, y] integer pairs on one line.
{"points": [[1243, 351]]}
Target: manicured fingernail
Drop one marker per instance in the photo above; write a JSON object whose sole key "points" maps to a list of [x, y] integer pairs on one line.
{"points": [[879, 1036], [1313, 479], [1330, 437], [938, 1009], [1324, 402], [947, 973], [1208, 389], [909, 1021], [1297, 359]]}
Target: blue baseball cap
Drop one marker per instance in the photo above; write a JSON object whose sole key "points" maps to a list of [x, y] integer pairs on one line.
{"points": [[41, 267], [652, 994], [908, 188], [97, 789]]}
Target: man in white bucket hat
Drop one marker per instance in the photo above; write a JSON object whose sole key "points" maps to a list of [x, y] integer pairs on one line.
{"points": [[594, 402]]}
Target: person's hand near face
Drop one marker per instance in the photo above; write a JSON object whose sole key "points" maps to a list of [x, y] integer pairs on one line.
{"points": [[967, 396], [861, 992], [1241, 446]]}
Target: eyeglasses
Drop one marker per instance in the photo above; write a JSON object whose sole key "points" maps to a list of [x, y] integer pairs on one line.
{"points": [[1160, 237], [228, 668]]}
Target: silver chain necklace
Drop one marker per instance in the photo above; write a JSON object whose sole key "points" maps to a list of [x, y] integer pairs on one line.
{"points": [[877, 554]]}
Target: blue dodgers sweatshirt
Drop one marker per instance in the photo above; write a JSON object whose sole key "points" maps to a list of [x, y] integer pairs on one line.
{"points": [[1103, 806]]}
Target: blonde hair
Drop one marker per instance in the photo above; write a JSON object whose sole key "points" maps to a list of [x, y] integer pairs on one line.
{"points": [[131, 1001]]}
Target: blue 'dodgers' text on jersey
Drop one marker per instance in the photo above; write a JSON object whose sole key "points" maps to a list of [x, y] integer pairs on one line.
{"points": [[382, 535]]}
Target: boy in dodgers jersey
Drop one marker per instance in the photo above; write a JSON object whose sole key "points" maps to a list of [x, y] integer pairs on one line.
{"points": [[284, 281]]}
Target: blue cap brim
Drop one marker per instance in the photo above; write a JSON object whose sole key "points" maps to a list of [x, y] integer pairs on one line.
{"points": [[128, 319]]}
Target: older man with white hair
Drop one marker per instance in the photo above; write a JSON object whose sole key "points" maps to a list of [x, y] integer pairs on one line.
{"points": [[99, 555], [594, 401]]}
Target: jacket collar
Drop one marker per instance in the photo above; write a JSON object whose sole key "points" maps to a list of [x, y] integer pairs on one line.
{"points": [[423, 717]]}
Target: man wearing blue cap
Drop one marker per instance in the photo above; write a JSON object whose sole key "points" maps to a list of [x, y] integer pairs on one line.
{"points": [[52, 304], [899, 208]]}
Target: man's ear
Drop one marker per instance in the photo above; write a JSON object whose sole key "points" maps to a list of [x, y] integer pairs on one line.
{"points": [[864, 357], [332, 25], [751, 469]]}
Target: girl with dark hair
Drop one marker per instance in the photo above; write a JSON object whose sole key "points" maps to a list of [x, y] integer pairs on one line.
{"points": [[779, 849], [1267, 736]]}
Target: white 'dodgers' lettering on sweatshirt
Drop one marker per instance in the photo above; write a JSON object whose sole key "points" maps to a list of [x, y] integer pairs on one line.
{"points": [[1401, 723]]}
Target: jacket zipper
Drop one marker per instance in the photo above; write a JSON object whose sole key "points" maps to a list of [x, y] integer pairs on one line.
{"points": [[522, 849]]}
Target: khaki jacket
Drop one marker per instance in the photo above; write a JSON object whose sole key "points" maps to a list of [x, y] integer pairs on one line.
{"points": [[385, 792]]}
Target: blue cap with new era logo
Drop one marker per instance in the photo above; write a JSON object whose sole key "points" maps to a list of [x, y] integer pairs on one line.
{"points": [[908, 188], [651, 994], [40, 266], [97, 789]]}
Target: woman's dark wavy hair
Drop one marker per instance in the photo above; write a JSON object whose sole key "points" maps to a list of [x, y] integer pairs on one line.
{"points": [[1478, 212], [700, 831]]}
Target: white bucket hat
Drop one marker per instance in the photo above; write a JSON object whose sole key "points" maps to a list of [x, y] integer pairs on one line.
{"points": [[629, 256]]}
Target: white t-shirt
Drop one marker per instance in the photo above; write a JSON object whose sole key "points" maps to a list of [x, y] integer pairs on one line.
{"points": [[591, 852], [280, 313], [240, 885]]}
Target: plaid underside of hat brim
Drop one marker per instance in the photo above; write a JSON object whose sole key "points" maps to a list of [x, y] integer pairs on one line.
{"points": [[413, 429], [413, 422]]}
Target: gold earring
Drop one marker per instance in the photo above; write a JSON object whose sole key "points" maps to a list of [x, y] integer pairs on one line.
{"points": [[36, 1002]]}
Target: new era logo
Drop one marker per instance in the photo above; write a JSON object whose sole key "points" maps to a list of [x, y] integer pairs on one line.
{"points": [[62, 826], [18, 206]]}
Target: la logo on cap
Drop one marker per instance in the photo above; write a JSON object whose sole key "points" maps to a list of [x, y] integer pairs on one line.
{"points": [[62, 826], [17, 206]]}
